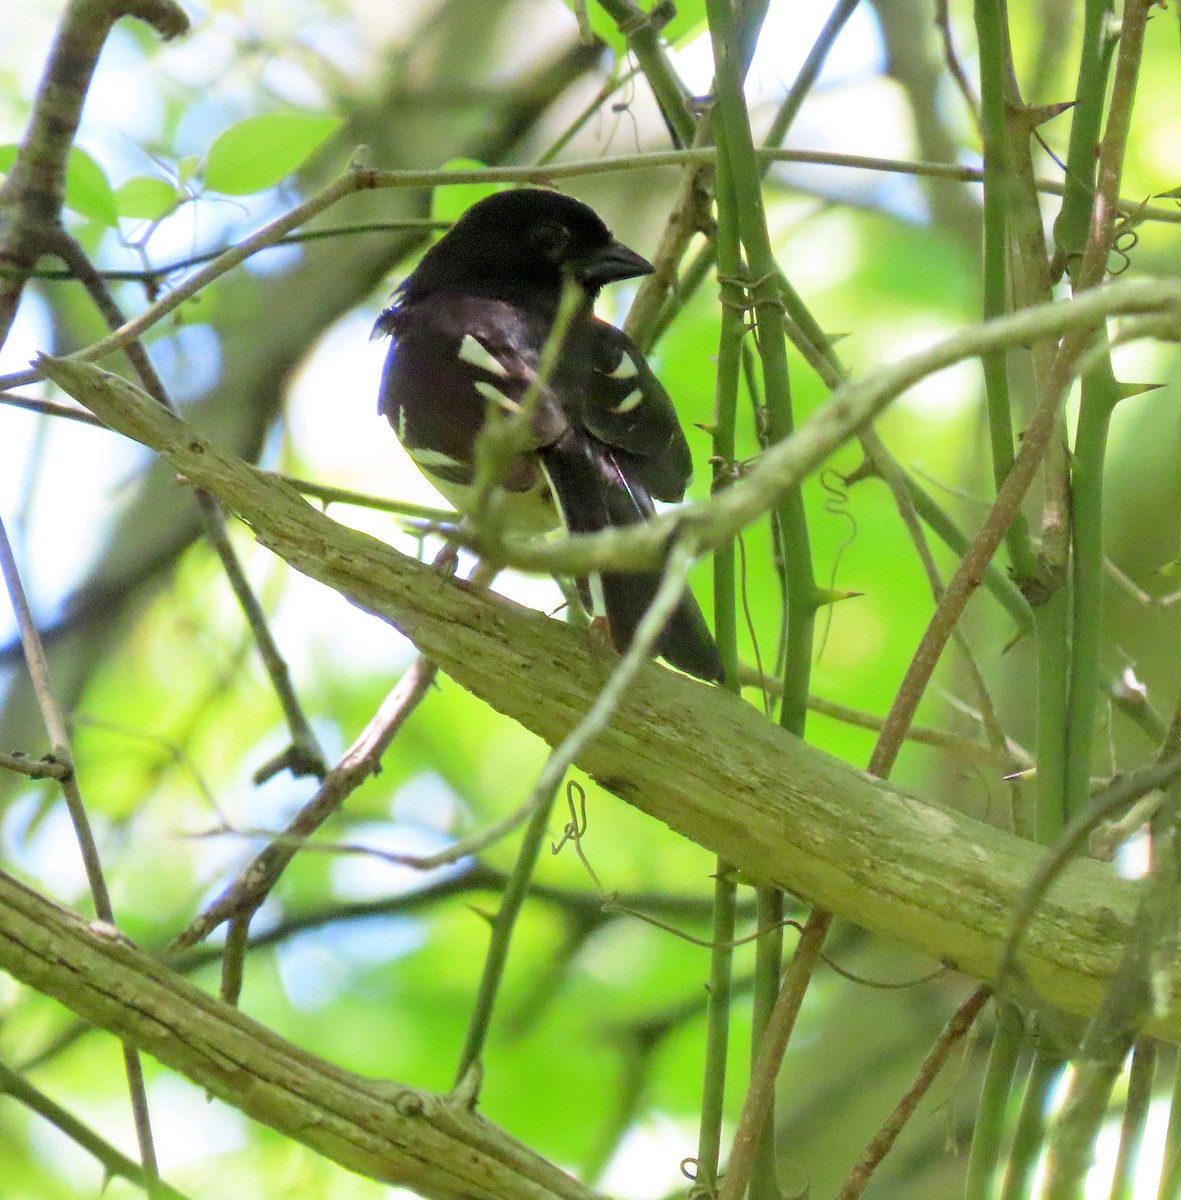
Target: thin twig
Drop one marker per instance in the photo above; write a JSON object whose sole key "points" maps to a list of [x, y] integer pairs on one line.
{"points": [[114, 1163], [50, 408], [34, 188], [328, 495], [154, 275], [966, 579], [1135, 1118], [892, 475], [55, 725], [32, 195], [939, 739], [961, 1021], [303, 756], [59, 741], [34, 768], [541, 796], [455, 852], [364, 180], [362, 759], [782, 1021], [955, 68]]}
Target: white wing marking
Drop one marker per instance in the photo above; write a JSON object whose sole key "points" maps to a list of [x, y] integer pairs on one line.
{"points": [[626, 369], [434, 458], [630, 401], [473, 352]]}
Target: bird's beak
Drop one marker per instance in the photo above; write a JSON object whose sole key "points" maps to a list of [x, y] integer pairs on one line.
{"points": [[615, 261]]}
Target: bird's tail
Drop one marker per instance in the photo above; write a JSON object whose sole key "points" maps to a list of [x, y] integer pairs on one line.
{"points": [[593, 493]]}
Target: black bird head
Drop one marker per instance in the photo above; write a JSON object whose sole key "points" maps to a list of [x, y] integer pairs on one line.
{"points": [[524, 242]]}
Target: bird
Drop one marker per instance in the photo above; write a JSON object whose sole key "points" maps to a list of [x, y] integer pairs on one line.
{"points": [[468, 328]]}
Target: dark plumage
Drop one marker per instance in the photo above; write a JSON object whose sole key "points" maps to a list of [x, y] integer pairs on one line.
{"points": [[468, 327]]}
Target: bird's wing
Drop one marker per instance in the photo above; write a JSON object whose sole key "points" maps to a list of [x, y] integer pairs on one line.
{"points": [[453, 359], [597, 487], [622, 403], [607, 437]]}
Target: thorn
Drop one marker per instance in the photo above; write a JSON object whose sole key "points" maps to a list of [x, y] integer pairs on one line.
{"points": [[481, 912], [1136, 389], [835, 595], [1033, 115]]}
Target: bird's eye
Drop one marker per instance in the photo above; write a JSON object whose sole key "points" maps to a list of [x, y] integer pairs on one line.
{"points": [[552, 240]]}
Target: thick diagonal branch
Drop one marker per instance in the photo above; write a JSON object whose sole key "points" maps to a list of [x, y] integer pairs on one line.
{"points": [[694, 757], [385, 1131]]}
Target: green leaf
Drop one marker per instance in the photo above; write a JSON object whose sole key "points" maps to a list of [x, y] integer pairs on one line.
{"points": [[146, 197], [450, 201], [257, 153], [88, 190]]}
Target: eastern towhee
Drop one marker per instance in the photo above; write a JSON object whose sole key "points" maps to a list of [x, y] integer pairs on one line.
{"points": [[469, 326]]}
